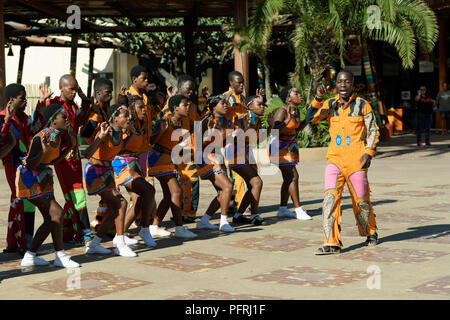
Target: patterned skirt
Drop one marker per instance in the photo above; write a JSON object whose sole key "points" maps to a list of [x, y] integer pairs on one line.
{"points": [[287, 153], [160, 164], [215, 165], [31, 184], [99, 176], [234, 158], [142, 158], [126, 168]]}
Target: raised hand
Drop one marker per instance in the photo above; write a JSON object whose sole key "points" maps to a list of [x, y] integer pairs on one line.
{"points": [[123, 90], [44, 93], [211, 123], [163, 124], [10, 111], [171, 91], [205, 92], [105, 130], [45, 142], [260, 92], [322, 90]]}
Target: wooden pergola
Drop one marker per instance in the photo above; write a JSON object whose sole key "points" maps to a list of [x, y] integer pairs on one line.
{"points": [[27, 12]]}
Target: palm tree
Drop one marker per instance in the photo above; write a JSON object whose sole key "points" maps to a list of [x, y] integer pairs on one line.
{"points": [[321, 26], [255, 38]]}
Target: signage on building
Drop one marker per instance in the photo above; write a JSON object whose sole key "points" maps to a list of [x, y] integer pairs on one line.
{"points": [[406, 95], [426, 66]]}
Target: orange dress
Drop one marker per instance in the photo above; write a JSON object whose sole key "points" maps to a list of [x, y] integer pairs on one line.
{"points": [[188, 175], [98, 171], [211, 161], [283, 150], [237, 108], [160, 161], [31, 184], [126, 164]]}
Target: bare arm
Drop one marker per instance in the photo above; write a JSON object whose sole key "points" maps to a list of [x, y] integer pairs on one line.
{"points": [[102, 135], [39, 148], [6, 149]]}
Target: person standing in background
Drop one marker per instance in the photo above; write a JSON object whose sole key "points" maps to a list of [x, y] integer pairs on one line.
{"points": [[423, 116], [443, 103]]}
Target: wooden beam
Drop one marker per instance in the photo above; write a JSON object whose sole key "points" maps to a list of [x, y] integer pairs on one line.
{"points": [[73, 55], [90, 71], [241, 58], [21, 62], [115, 29], [125, 12], [25, 21], [54, 42], [49, 10], [189, 23], [442, 63], [2, 58]]}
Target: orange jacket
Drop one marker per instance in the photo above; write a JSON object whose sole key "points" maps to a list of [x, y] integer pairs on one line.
{"points": [[352, 126], [151, 114]]}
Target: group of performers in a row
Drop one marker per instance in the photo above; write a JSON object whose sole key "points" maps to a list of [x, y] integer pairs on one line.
{"points": [[131, 143], [125, 149]]}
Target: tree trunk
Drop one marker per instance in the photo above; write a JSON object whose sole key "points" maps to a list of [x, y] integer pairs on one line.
{"points": [[267, 89]]}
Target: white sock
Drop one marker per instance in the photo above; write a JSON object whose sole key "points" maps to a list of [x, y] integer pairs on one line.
{"points": [[60, 253], [223, 220], [33, 254], [152, 227], [205, 218], [237, 215], [120, 240]]}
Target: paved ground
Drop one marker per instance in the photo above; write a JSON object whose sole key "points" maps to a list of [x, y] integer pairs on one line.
{"points": [[410, 192]]}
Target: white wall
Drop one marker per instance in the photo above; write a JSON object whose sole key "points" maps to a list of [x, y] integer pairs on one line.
{"points": [[54, 62]]}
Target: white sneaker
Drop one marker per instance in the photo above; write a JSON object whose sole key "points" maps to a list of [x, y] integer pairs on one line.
{"points": [[128, 241], [145, 235], [158, 231], [226, 228], [65, 262], [30, 259], [182, 232], [206, 225], [286, 213], [124, 251], [96, 249], [301, 214]]}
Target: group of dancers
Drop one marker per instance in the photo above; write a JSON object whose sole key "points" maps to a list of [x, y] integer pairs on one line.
{"points": [[132, 142]]}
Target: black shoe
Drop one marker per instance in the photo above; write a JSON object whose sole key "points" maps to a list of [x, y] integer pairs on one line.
{"points": [[241, 219], [257, 221], [372, 240], [188, 219]]}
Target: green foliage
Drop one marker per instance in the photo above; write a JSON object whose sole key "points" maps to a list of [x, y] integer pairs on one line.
{"points": [[167, 49]]}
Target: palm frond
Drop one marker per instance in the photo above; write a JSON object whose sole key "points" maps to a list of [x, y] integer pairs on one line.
{"points": [[422, 19], [401, 35]]}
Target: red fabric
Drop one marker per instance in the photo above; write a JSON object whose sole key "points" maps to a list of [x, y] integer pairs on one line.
{"points": [[16, 222], [69, 171], [16, 219]]}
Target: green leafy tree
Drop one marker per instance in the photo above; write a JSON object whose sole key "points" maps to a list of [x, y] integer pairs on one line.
{"points": [[165, 51]]}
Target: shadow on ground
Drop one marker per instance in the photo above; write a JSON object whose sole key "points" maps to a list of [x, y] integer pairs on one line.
{"points": [[426, 232]]}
